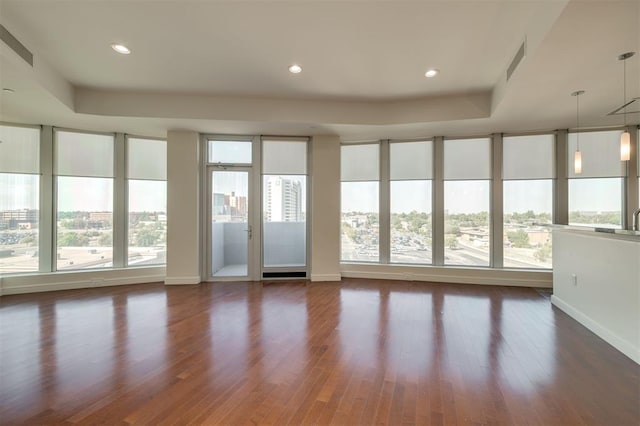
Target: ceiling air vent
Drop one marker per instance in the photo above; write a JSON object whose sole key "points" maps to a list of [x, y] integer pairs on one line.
{"points": [[633, 107], [15, 45], [519, 56]]}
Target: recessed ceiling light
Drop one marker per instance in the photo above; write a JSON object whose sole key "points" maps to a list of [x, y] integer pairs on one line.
{"points": [[431, 73], [8, 90], [295, 69], [121, 48]]}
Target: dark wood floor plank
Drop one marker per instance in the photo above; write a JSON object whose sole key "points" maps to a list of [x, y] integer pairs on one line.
{"points": [[355, 352]]}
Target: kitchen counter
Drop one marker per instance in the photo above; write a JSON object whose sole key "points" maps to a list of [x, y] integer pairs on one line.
{"points": [[596, 280]]}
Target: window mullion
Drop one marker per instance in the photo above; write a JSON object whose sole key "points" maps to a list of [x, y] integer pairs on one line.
{"points": [[119, 203], [496, 245], [438, 202], [385, 205], [46, 222], [561, 183]]}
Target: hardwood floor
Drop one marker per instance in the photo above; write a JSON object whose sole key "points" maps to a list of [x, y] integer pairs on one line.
{"points": [[359, 352]]}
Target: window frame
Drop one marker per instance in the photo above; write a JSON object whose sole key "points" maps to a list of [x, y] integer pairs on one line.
{"points": [[306, 268], [127, 212], [386, 168], [117, 195], [42, 234], [383, 232]]}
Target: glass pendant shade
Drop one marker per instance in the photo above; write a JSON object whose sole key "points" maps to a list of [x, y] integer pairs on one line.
{"points": [[577, 163], [625, 146]]}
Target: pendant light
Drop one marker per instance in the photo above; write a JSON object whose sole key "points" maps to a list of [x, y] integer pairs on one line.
{"points": [[625, 138], [577, 157]]}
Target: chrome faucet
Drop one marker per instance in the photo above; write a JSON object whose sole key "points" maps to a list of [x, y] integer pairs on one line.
{"points": [[636, 224]]}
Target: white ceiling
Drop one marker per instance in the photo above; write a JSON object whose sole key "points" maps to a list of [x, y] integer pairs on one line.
{"points": [[221, 66]]}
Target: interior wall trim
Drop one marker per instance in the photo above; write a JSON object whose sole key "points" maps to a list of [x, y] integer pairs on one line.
{"points": [[79, 284], [326, 277], [545, 280], [182, 280], [604, 333]]}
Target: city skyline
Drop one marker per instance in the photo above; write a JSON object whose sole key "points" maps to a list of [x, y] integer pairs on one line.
{"points": [[283, 199]]}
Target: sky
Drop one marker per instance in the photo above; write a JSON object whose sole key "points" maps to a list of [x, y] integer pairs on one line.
{"points": [[473, 196]]}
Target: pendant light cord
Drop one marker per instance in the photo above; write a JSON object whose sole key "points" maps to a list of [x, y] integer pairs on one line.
{"points": [[624, 95], [578, 121]]}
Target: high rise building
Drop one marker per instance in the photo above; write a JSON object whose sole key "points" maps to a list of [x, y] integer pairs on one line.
{"points": [[283, 201]]}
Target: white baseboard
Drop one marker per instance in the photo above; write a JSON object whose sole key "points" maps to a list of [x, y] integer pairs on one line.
{"points": [[452, 277], [78, 284], [604, 333], [326, 277], [182, 280]]}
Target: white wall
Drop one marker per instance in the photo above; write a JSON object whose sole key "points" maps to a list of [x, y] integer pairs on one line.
{"points": [[325, 207], [183, 194], [606, 296]]}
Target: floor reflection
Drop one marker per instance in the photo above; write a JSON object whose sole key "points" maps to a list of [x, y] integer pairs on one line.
{"points": [[359, 327], [84, 344], [229, 336], [537, 346], [466, 322], [145, 323], [20, 363], [409, 333]]}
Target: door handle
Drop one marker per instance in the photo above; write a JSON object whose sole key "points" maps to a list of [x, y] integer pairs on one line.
{"points": [[249, 231]]}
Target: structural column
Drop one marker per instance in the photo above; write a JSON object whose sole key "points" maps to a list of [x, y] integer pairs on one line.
{"points": [[183, 208], [325, 206]]}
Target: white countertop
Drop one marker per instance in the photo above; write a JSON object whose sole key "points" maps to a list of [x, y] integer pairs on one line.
{"points": [[618, 234]]}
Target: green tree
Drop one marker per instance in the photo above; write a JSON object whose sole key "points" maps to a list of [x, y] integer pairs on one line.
{"points": [[348, 230], [519, 238], [30, 241], [146, 237], [105, 239], [452, 229], [73, 239], [451, 241], [543, 253]]}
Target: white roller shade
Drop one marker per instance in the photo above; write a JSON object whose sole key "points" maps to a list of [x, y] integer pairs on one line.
{"points": [[528, 157], [600, 154], [84, 154], [466, 159], [284, 157], [19, 149], [360, 162], [411, 160], [146, 159]]}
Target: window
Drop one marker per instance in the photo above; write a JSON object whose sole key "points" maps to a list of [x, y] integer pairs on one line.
{"points": [[147, 201], [595, 195], [19, 198], [360, 225], [411, 174], [84, 181], [467, 173], [284, 192], [527, 172], [230, 152]]}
